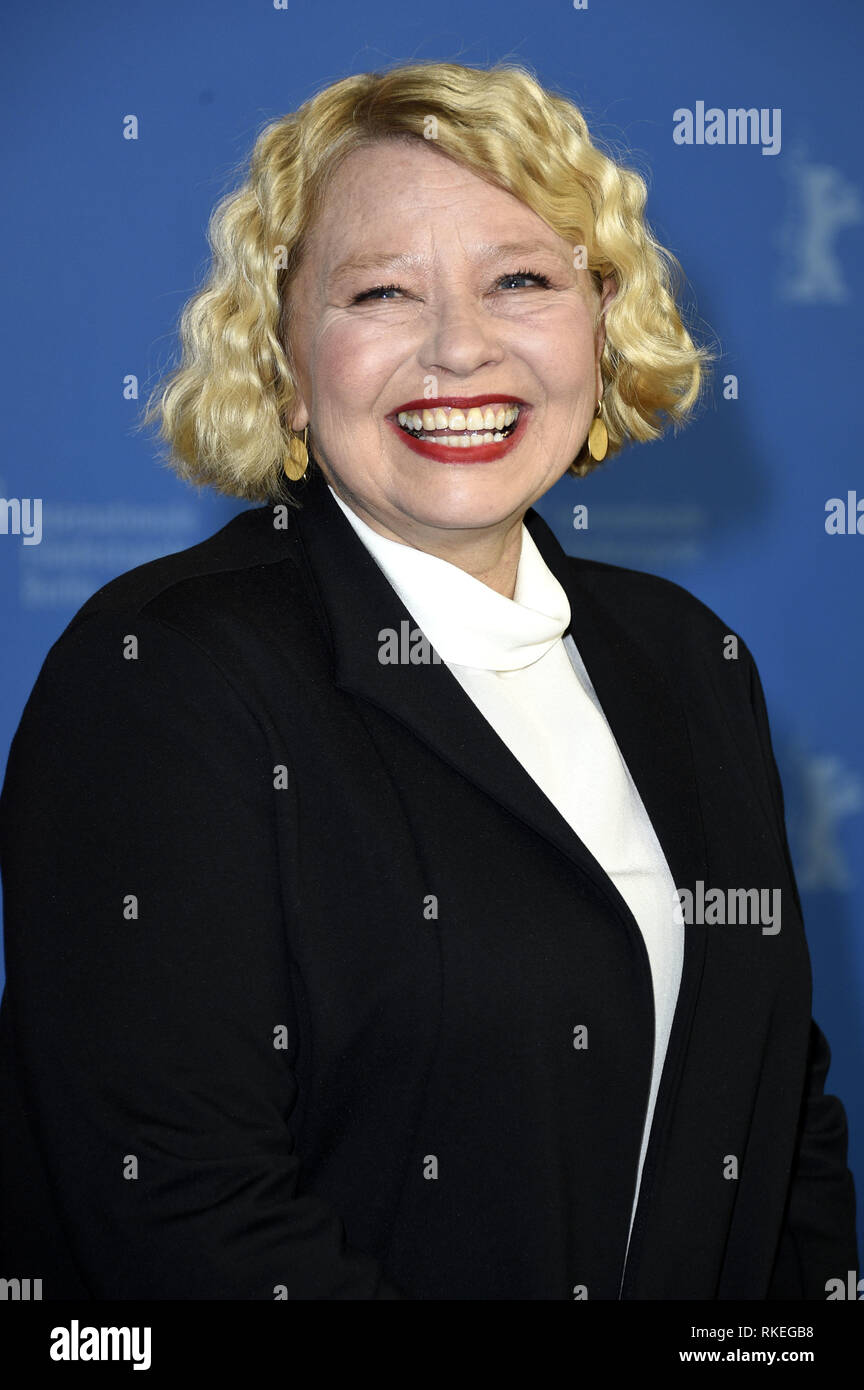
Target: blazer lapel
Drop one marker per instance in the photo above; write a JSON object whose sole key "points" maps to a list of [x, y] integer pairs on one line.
{"points": [[360, 604]]}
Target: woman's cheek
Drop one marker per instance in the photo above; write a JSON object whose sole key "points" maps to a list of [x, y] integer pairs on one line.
{"points": [[362, 354]]}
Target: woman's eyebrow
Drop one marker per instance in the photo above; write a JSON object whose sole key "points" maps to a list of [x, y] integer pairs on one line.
{"points": [[382, 260], [373, 260], [521, 248]]}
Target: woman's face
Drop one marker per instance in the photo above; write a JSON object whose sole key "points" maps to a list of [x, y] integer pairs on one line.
{"points": [[424, 284]]}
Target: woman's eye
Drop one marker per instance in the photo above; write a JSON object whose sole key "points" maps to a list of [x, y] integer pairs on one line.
{"points": [[377, 292], [534, 275]]}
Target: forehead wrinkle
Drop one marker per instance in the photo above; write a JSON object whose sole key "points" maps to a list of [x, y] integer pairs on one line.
{"points": [[482, 252]]}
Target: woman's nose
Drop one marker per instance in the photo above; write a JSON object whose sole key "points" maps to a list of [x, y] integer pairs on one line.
{"points": [[460, 337]]}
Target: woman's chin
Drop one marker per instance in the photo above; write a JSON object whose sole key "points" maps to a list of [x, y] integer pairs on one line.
{"points": [[455, 505]]}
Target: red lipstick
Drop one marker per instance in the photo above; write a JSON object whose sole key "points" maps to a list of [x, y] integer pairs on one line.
{"points": [[454, 453]]}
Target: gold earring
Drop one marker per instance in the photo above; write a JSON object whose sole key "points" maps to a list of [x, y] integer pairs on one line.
{"points": [[598, 435], [297, 462]]}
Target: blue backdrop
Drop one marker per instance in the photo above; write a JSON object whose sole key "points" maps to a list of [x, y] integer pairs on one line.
{"points": [[104, 241]]}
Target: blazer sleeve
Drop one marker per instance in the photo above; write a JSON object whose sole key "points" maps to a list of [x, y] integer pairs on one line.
{"points": [[150, 982], [818, 1240]]}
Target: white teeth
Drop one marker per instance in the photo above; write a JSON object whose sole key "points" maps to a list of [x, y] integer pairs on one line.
{"points": [[478, 425], [477, 418]]}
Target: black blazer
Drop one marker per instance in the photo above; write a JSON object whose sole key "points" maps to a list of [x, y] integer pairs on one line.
{"points": [[297, 952]]}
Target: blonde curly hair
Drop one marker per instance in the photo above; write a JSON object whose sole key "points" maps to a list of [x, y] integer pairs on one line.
{"points": [[225, 409]]}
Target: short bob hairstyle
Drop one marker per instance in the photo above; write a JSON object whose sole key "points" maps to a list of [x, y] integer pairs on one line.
{"points": [[226, 408]]}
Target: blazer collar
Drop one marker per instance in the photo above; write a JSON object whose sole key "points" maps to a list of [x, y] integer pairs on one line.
{"points": [[466, 622]]}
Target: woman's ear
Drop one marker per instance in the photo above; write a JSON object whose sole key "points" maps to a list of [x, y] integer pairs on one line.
{"points": [[299, 416], [608, 291]]}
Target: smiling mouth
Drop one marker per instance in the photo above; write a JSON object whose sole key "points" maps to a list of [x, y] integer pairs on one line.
{"points": [[457, 428]]}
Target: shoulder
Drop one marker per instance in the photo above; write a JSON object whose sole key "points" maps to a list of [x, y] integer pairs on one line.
{"points": [[651, 608], [226, 564], [702, 659], [231, 583], [149, 692], [206, 616]]}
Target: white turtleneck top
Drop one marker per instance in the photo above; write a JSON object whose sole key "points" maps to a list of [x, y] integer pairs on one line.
{"points": [[532, 687]]}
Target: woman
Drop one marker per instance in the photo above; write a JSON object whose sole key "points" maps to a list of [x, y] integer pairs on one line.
{"points": [[346, 854]]}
